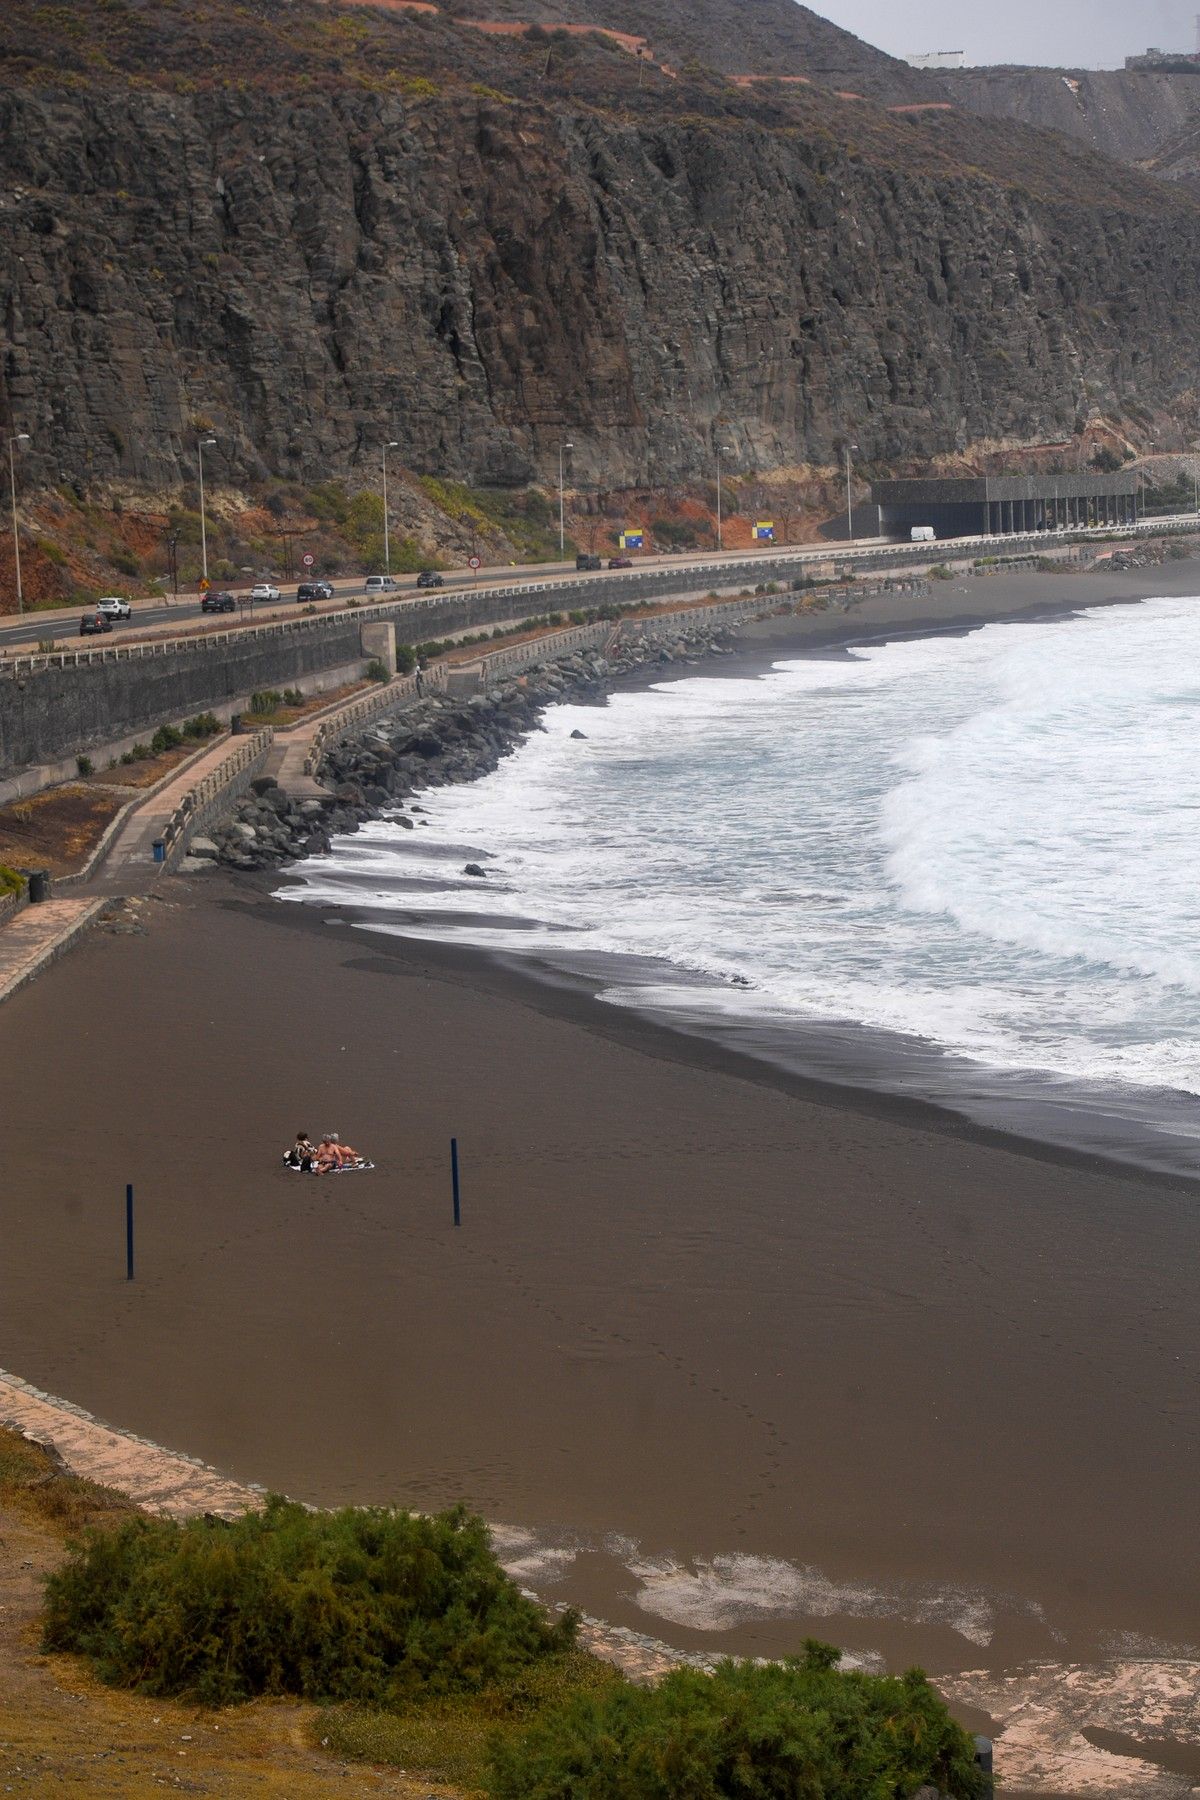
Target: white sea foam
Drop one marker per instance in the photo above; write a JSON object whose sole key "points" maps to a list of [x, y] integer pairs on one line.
{"points": [[986, 842]]}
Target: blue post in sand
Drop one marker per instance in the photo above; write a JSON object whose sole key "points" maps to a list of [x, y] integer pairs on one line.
{"points": [[129, 1232], [454, 1178]]}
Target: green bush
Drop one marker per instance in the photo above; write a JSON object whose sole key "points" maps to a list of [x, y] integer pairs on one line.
{"points": [[85, 765], [774, 1732], [366, 1604], [126, 561], [204, 725], [265, 701], [10, 881], [293, 697], [940, 572], [167, 737], [406, 659], [377, 670]]}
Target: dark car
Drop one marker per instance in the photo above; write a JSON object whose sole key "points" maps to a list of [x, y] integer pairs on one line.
{"points": [[584, 561], [430, 578], [94, 622], [620, 562], [220, 602], [311, 590]]}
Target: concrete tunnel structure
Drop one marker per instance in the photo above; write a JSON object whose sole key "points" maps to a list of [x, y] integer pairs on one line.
{"points": [[1005, 505]]}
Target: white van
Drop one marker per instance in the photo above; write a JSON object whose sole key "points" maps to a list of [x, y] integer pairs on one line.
{"points": [[381, 584], [923, 534]]}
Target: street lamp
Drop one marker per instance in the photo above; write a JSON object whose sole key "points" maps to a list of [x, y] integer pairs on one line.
{"points": [[719, 448], [392, 444], [562, 504], [22, 437], [849, 495], [203, 444]]}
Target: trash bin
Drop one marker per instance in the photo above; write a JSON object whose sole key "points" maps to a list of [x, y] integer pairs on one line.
{"points": [[983, 1754], [160, 850], [39, 885], [235, 723]]}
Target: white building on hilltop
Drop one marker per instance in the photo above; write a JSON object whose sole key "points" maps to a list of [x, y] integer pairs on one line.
{"points": [[937, 59]]}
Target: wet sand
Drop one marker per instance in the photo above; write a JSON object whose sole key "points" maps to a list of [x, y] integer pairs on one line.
{"points": [[746, 1356]]}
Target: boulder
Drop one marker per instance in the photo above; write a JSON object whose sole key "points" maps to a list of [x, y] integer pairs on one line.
{"points": [[474, 869], [580, 734], [203, 849]]}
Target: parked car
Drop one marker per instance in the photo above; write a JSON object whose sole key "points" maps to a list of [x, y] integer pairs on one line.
{"points": [[620, 562], [219, 602], [430, 578], [263, 590], [93, 622], [113, 607], [584, 561], [380, 584]]}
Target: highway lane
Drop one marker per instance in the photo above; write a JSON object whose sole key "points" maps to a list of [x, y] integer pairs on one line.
{"points": [[150, 616]]}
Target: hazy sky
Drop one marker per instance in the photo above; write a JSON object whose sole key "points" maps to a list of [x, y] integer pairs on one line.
{"points": [[1082, 33]]}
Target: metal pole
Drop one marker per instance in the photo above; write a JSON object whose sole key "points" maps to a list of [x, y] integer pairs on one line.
{"points": [[720, 541], [12, 476], [391, 444], [562, 516], [129, 1232], [203, 530], [849, 497], [454, 1179]]}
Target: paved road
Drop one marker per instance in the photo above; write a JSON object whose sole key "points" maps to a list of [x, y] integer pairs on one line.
{"points": [[185, 612]]}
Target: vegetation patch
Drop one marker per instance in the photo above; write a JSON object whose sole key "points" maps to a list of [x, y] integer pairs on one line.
{"points": [[366, 1604], [771, 1732]]}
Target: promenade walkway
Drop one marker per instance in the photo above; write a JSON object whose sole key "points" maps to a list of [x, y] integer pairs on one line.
{"points": [[39, 934]]}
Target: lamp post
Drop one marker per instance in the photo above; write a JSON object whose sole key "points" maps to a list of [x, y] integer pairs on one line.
{"points": [[720, 521], [849, 495], [392, 444], [21, 437], [203, 444], [562, 502]]}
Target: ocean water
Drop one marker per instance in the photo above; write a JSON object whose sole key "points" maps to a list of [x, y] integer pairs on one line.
{"points": [[964, 867]]}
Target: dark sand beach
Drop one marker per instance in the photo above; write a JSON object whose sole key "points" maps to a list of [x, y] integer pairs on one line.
{"points": [[753, 1356]]}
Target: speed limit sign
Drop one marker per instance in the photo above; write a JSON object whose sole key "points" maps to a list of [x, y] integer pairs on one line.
{"points": [[475, 563], [307, 559]]}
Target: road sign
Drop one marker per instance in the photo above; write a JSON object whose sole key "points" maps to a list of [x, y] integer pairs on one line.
{"points": [[204, 585], [475, 563], [307, 559]]}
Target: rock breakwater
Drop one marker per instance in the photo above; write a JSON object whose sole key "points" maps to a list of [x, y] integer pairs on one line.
{"points": [[437, 741]]}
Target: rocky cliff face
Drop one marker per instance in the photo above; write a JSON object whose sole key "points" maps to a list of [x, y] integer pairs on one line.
{"points": [[1129, 114], [311, 254]]}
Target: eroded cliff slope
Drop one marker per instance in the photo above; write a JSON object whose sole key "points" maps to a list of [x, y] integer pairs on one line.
{"points": [[307, 226]]}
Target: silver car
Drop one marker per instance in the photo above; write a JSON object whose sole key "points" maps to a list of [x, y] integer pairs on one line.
{"points": [[113, 607], [262, 590]]}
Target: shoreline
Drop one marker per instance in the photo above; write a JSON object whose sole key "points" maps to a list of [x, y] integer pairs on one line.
{"points": [[881, 1343]]}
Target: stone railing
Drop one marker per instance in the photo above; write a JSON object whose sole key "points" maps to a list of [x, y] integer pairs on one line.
{"points": [[212, 794], [11, 904], [368, 706]]}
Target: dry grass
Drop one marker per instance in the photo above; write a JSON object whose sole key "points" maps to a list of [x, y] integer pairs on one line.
{"points": [[62, 1733], [57, 829]]}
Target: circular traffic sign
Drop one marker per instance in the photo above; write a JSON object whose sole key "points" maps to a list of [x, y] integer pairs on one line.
{"points": [[475, 563], [307, 559]]}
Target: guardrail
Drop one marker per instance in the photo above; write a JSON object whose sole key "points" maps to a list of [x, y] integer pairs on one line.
{"points": [[563, 594], [198, 805], [369, 706]]}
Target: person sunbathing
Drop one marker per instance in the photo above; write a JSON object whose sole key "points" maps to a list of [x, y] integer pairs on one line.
{"points": [[302, 1151], [349, 1157]]}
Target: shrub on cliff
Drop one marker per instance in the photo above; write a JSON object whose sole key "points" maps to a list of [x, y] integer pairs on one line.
{"points": [[365, 1604], [761, 1733]]}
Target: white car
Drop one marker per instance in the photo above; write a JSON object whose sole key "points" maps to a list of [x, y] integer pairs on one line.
{"points": [[113, 607], [262, 590]]}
